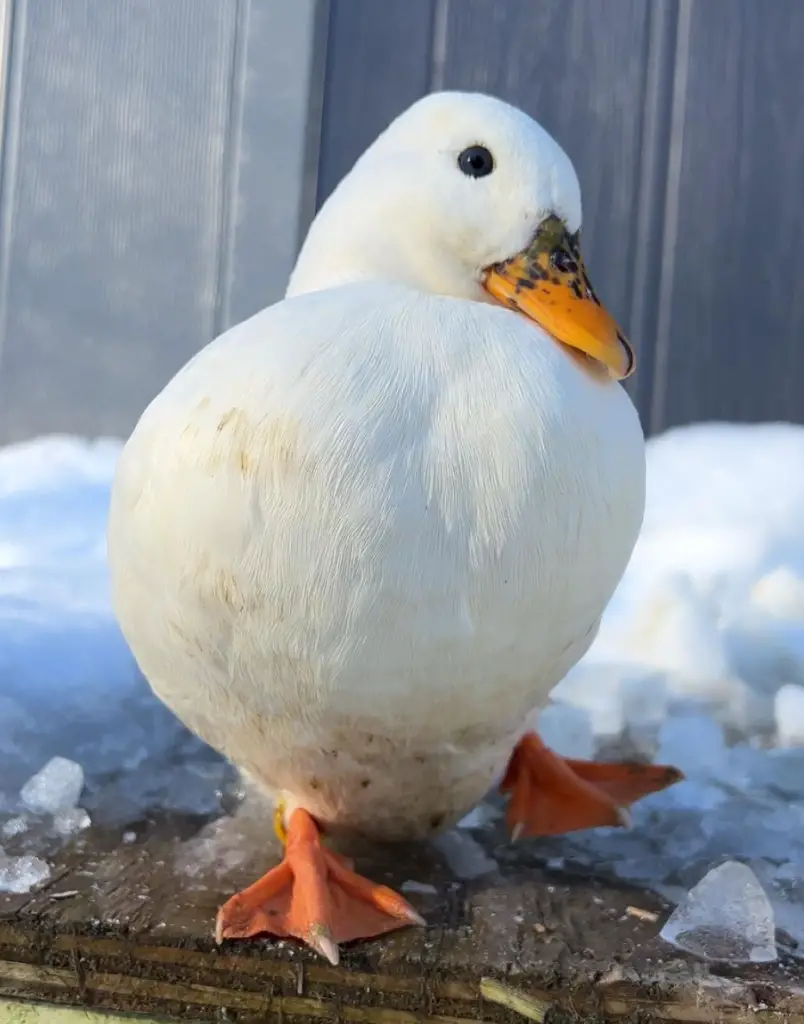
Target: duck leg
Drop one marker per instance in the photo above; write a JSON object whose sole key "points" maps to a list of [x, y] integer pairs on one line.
{"points": [[551, 795], [313, 895]]}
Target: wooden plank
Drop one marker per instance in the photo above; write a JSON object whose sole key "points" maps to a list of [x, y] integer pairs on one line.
{"points": [[13, 1012], [378, 63], [593, 73], [112, 190], [126, 928], [730, 337]]}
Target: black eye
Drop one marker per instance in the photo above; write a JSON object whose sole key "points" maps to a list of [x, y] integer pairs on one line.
{"points": [[476, 162]]}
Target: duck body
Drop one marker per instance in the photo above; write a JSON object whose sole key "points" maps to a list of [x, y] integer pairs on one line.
{"points": [[358, 539]]}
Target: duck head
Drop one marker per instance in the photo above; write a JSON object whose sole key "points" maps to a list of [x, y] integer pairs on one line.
{"points": [[466, 196]]}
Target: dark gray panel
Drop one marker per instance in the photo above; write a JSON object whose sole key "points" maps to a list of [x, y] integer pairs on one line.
{"points": [[112, 196], [580, 67], [731, 340], [378, 63]]}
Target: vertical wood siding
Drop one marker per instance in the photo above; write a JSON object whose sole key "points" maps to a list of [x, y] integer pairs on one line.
{"points": [[152, 160], [685, 121], [153, 178]]}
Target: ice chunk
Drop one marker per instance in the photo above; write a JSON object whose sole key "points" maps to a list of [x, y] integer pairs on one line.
{"points": [[465, 857], [726, 917], [789, 710], [481, 816], [567, 731], [222, 845], [55, 787], [423, 888], [71, 821], [784, 885], [14, 827], [779, 773], [21, 874], [693, 743]]}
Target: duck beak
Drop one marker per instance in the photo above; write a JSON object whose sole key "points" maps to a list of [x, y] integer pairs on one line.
{"points": [[547, 282]]}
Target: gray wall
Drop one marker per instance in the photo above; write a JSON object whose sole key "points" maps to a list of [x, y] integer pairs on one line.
{"points": [[160, 157], [151, 186], [686, 123]]}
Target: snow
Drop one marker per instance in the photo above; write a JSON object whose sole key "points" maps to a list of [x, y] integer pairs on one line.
{"points": [[567, 730], [788, 709], [77, 722], [699, 661]]}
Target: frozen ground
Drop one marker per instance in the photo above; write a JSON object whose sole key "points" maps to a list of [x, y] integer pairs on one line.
{"points": [[700, 662]]}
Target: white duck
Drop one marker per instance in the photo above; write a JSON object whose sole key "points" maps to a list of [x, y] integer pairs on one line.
{"points": [[357, 539]]}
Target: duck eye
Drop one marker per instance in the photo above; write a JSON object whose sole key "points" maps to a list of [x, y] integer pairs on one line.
{"points": [[476, 162]]}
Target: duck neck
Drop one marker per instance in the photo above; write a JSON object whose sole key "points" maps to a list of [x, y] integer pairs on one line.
{"points": [[336, 254]]}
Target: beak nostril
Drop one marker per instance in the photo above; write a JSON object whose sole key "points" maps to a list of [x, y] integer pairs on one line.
{"points": [[563, 262]]}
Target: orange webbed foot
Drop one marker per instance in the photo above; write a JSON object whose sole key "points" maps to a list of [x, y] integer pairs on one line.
{"points": [[313, 895], [551, 795]]}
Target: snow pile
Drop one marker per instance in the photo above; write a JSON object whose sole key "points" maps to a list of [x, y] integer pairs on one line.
{"points": [[699, 662], [77, 722]]}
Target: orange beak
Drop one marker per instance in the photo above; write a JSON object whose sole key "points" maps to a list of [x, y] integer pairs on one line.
{"points": [[548, 284]]}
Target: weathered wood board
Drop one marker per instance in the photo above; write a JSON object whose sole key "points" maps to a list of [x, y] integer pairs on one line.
{"points": [[13, 1011], [126, 928]]}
